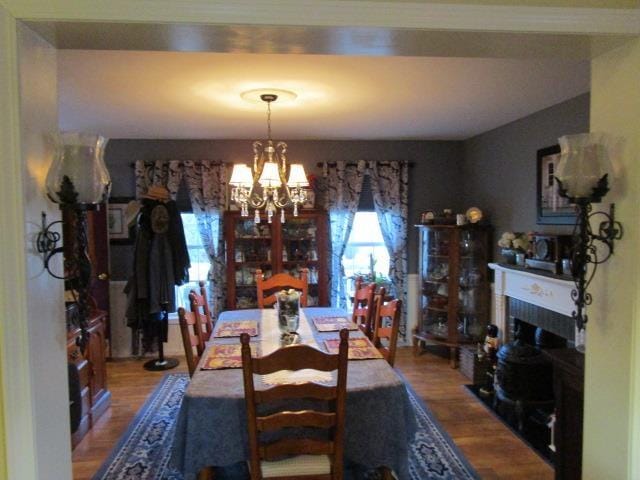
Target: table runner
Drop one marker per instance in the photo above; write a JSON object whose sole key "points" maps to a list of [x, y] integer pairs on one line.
{"points": [[211, 427]]}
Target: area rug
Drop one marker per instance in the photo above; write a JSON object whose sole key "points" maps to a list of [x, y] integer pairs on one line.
{"points": [[144, 450]]}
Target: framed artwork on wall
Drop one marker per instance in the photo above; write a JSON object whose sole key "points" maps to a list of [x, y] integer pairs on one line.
{"points": [[120, 231], [552, 209]]}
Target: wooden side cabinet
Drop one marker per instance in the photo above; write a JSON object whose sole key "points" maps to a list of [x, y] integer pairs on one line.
{"points": [[568, 386], [92, 373]]}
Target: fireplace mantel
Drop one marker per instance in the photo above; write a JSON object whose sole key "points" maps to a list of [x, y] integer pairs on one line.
{"points": [[542, 290]]}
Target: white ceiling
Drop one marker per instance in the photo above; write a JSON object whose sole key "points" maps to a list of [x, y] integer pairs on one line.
{"points": [[134, 94]]}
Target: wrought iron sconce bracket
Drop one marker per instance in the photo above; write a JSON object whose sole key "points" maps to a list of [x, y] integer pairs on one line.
{"points": [[588, 243]]}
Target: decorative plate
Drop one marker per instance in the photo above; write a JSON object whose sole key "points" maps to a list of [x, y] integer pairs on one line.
{"points": [[474, 215]]}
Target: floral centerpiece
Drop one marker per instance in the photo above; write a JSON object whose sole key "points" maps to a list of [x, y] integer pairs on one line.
{"points": [[513, 243], [288, 304]]}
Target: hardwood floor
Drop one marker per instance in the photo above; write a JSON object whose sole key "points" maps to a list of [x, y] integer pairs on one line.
{"points": [[490, 447]]}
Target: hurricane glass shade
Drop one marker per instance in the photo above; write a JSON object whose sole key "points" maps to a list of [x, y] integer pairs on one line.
{"points": [[241, 176], [270, 177], [584, 160], [297, 176], [79, 157]]}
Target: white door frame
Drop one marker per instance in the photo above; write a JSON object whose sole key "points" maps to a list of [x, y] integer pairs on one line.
{"points": [[17, 391]]}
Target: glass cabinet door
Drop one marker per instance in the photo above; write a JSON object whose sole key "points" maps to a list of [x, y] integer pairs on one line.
{"points": [[472, 291], [252, 251], [435, 266], [300, 250]]}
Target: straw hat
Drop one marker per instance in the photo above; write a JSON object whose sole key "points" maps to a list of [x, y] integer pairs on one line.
{"points": [[156, 192], [131, 212]]}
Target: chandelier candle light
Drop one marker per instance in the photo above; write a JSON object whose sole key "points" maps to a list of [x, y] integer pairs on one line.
{"points": [[266, 185]]}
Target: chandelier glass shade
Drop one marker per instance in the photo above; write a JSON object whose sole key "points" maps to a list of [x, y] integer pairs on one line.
{"points": [[265, 186]]}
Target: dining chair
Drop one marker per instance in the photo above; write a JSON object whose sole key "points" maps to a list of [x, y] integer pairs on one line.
{"points": [[312, 458], [363, 306], [386, 325], [266, 289], [191, 331], [200, 307]]}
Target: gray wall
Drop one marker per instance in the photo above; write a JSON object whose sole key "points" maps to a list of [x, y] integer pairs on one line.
{"points": [[434, 179], [500, 165]]}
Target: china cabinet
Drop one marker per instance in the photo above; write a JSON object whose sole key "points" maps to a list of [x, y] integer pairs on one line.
{"points": [[299, 242], [454, 299]]}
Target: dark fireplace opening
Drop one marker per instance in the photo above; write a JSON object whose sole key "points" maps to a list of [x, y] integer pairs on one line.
{"points": [[519, 386]]}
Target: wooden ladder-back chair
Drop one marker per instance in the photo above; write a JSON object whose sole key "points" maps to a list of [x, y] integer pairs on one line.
{"points": [[363, 306], [389, 332], [317, 459], [200, 307], [191, 330], [278, 282]]}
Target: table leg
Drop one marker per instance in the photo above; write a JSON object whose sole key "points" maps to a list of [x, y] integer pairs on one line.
{"points": [[453, 357]]}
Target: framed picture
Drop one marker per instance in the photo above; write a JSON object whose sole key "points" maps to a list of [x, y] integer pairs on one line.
{"points": [[119, 230], [551, 207]]}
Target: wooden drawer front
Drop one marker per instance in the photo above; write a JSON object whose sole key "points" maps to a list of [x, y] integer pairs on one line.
{"points": [[84, 372], [85, 395]]}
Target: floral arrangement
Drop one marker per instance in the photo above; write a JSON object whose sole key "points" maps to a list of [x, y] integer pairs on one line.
{"points": [[514, 240], [288, 310]]}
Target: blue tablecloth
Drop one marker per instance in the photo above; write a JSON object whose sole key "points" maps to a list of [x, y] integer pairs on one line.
{"points": [[212, 426]]}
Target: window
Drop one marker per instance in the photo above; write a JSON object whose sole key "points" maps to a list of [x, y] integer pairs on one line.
{"points": [[366, 253], [199, 260]]}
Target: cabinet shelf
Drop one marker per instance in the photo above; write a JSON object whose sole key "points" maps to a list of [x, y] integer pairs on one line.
{"points": [[253, 263], [437, 309]]}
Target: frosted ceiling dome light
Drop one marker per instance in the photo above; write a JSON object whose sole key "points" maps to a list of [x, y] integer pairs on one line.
{"points": [[255, 95]]}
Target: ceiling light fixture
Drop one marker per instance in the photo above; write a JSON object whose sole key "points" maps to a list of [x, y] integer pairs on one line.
{"points": [[266, 185]]}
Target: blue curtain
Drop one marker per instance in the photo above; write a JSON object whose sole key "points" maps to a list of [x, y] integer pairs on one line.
{"points": [[390, 189], [206, 182], [343, 185]]}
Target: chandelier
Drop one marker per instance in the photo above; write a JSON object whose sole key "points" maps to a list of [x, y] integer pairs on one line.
{"points": [[266, 185]]}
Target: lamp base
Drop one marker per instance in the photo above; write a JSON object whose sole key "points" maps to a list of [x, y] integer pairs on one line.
{"points": [[157, 364]]}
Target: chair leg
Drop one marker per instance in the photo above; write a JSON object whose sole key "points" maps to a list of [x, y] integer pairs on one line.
{"points": [[386, 473], [206, 474]]}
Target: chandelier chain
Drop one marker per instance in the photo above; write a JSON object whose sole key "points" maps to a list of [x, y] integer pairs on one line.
{"points": [[269, 121]]}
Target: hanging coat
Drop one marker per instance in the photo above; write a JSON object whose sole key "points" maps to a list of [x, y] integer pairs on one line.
{"points": [[161, 261]]}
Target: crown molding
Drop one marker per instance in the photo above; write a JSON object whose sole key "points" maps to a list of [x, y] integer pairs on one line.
{"points": [[386, 14]]}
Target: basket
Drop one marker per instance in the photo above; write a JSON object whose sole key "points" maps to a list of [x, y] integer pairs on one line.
{"points": [[472, 367]]}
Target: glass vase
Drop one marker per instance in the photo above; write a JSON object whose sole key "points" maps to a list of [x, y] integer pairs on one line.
{"points": [[288, 305]]}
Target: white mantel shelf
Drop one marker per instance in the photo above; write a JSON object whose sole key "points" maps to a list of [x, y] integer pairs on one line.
{"points": [[544, 291]]}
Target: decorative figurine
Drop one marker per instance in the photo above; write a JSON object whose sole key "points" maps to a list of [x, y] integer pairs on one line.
{"points": [[491, 344]]}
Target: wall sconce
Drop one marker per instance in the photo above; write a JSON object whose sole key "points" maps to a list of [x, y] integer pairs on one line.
{"points": [[582, 177], [77, 180]]}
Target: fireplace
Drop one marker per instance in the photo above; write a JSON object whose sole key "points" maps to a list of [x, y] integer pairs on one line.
{"points": [[534, 297], [532, 310]]}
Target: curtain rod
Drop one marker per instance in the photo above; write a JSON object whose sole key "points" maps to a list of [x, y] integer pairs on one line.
{"points": [[353, 164], [151, 162]]}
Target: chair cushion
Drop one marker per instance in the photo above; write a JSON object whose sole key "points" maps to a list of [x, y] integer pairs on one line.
{"points": [[298, 466]]}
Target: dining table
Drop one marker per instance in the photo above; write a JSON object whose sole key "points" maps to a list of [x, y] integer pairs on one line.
{"points": [[211, 428]]}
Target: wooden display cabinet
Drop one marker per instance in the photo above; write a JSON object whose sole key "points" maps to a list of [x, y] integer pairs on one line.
{"points": [[299, 242], [454, 300], [92, 372]]}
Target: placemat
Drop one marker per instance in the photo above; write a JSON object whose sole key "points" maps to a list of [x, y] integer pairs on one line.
{"points": [[333, 324], [226, 356], [235, 329], [359, 348]]}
